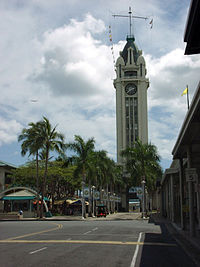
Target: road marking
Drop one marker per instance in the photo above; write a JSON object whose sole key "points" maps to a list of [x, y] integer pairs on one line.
{"points": [[133, 262], [89, 242], [87, 232], [59, 226], [91, 231], [38, 250]]}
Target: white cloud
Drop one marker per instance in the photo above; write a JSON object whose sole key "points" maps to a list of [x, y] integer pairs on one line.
{"points": [[52, 52], [8, 131], [169, 76], [74, 62]]}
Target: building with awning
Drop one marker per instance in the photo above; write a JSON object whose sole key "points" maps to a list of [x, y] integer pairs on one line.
{"points": [[19, 195], [180, 183], [20, 198]]}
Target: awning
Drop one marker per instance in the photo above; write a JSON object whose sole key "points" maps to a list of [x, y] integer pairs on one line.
{"points": [[21, 195], [61, 201], [17, 197]]}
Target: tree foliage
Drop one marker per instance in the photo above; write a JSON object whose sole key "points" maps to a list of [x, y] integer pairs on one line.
{"points": [[142, 162]]}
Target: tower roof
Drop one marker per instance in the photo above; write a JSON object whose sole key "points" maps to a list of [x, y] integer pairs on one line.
{"points": [[130, 43]]}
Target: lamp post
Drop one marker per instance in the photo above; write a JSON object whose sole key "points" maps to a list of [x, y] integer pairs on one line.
{"points": [[114, 198], [102, 192], [143, 197], [83, 200], [93, 187], [109, 202]]}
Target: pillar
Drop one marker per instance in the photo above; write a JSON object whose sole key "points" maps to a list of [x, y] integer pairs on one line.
{"points": [[172, 197], [181, 184], [191, 195]]}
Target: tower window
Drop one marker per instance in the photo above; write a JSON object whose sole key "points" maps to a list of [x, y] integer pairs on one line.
{"points": [[120, 70], [130, 74], [141, 70]]}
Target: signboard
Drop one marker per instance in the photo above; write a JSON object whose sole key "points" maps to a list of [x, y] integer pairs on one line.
{"points": [[191, 174], [96, 195], [105, 197], [86, 192]]}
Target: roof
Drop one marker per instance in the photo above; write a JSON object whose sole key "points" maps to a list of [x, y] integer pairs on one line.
{"points": [[192, 31], [130, 43], [19, 195], [5, 164], [189, 133]]}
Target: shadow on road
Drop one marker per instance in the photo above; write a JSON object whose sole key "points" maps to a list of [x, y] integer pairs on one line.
{"points": [[161, 249]]}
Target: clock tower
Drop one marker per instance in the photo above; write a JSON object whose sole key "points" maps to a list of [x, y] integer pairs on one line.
{"points": [[131, 87]]}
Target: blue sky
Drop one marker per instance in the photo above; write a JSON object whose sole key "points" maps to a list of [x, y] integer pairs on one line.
{"points": [[58, 53]]}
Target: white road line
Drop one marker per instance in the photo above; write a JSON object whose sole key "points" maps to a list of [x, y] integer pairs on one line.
{"points": [[38, 250], [87, 232], [133, 262], [95, 229]]}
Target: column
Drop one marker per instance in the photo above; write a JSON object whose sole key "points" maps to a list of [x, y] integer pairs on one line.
{"points": [[172, 197], [191, 195], [181, 193]]}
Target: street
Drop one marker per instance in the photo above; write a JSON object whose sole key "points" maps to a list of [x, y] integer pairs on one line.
{"points": [[89, 243]]}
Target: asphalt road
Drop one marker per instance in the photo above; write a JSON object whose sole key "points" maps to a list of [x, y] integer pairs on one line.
{"points": [[89, 243]]}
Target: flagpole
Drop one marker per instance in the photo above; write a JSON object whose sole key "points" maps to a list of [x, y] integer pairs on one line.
{"points": [[188, 98]]}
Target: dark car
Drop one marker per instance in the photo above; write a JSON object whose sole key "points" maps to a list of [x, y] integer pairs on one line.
{"points": [[101, 211]]}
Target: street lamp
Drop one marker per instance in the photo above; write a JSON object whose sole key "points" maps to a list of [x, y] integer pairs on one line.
{"points": [[143, 197], [83, 200], [109, 202], [102, 192], [93, 187], [114, 201]]}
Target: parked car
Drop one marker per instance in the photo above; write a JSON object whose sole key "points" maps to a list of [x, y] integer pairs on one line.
{"points": [[101, 211]]}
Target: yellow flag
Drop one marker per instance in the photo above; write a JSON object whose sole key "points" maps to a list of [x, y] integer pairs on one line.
{"points": [[185, 91]]}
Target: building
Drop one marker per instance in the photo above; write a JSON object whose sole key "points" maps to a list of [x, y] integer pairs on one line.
{"points": [[131, 87], [5, 171], [180, 185]]}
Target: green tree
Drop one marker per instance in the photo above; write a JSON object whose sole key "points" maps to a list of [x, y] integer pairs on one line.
{"points": [[83, 151], [142, 162], [52, 141], [32, 142]]}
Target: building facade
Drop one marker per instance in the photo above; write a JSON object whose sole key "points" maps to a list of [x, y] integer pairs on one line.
{"points": [[180, 184], [131, 87]]}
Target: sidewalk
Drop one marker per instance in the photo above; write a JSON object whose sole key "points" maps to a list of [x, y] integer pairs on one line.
{"points": [[191, 245], [110, 217]]}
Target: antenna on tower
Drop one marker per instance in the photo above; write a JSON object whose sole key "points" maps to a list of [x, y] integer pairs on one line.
{"points": [[130, 19]]}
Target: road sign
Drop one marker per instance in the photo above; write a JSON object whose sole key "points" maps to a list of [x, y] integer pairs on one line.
{"points": [[191, 174]]}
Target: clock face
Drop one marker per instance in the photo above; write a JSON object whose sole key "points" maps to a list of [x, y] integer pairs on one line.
{"points": [[131, 89]]}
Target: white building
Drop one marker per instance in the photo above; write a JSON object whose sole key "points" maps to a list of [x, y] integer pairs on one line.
{"points": [[131, 87]]}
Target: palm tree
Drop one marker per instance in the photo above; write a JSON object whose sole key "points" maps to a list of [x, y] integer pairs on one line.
{"points": [[142, 162], [83, 150], [95, 174], [32, 143], [52, 141]]}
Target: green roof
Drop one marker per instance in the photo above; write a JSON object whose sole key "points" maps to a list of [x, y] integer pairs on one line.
{"points": [[6, 164], [17, 197]]}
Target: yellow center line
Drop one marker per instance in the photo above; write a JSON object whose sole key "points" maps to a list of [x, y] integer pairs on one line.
{"points": [[59, 226], [88, 242]]}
